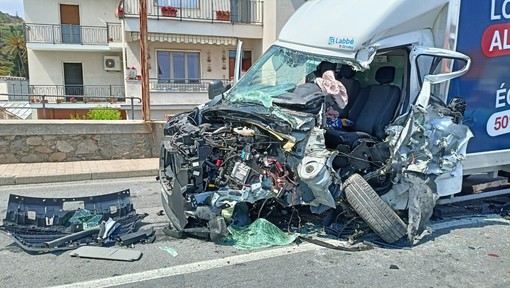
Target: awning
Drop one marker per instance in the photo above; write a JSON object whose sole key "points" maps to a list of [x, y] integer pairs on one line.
{"points": [[187, 39], [20, 110]]}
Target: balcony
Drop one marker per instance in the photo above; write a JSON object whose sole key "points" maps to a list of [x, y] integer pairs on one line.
{"points": [[52, 93], [170, 96], [73, 37], [181, 85], [239, 11]]}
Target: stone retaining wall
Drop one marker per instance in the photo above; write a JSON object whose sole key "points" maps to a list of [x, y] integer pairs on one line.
{"points": [[74, 140]]}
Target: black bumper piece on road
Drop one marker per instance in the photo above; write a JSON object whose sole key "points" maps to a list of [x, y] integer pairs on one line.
{"points": [[47, 224]]}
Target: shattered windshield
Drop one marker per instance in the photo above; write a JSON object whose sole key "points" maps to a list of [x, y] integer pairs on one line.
{"points": [[278, 71]]}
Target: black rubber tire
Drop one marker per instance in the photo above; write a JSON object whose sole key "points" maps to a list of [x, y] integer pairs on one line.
{"points": [[371, 208]]}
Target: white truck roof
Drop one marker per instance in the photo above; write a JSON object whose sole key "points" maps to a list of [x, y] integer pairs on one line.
{"points": [[342, 27]]}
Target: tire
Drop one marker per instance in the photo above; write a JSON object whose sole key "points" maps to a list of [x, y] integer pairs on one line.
{"points": [[373, 210]]}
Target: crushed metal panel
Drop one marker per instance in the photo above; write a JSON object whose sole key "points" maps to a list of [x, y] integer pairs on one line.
{"points": [[434, 145]]}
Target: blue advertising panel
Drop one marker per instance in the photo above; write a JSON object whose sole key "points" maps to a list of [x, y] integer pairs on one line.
{"points": [[484, 35]]}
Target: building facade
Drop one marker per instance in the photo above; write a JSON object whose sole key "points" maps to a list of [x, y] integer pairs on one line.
{"points": [[89, 50]]}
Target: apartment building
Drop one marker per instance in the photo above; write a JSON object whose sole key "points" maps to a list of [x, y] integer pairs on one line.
{"points": [[91, 49]]}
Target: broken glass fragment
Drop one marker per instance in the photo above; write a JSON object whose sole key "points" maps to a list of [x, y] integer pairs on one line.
{"points": [[86, 218], [260, 234]]}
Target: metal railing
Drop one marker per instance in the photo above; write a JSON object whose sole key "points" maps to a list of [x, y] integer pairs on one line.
{"points": [[89, 91], [45, 100], [73, 34], [181, 85], [239, 11]]}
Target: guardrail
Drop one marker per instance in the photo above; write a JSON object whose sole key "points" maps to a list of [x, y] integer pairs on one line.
{"points": [[181, 85], [234, 11], [73, 34]]}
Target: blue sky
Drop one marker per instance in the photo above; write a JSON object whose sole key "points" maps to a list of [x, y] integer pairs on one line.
{"points": [[11, 6]]}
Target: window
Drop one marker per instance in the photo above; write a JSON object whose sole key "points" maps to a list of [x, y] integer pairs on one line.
{"points": [[394, 58], [178, 66], [189, 4], [245, 64]]}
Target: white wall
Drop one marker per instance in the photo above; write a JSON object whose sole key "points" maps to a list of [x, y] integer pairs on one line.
{"points": [[92, 12], [276, 14], [46, 68]]}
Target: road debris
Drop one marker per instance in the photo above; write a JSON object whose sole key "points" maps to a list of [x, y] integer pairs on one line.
{"points": [[48, 224], [103, 253], [170, 250], [142, 236], [260, 234]]}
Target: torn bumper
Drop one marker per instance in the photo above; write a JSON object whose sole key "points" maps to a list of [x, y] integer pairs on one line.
{"points": [[50, 224]]}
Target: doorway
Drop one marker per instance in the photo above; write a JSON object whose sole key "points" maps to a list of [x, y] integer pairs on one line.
{"points": [[70, 24], [73, 79]]}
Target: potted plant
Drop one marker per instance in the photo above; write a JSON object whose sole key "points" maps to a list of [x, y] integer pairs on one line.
{"points": [[223, 15], [73, 100], [59, 100], [169, 11], [119, 12]]}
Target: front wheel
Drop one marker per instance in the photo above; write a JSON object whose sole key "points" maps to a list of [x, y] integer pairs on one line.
{"points": [[373, 210]]}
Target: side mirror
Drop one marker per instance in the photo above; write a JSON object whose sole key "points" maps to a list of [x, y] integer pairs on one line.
{"points": [[216, 87]]}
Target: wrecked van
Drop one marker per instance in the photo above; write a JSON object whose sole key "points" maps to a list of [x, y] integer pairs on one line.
{"points": [[355, 114]]}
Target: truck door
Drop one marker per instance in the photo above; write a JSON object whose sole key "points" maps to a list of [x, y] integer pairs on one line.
{"points": [[438, 66], [431, 70]]}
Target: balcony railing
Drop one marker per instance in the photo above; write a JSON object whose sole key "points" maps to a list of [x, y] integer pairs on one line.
{"points": [[181, 85], [73, 34], [239, 11], [89, 91]]}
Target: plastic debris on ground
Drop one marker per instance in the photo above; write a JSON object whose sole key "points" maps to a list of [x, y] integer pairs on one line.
{"points": [[259, 234], [170, 250], [48, 224], [103, 253]]}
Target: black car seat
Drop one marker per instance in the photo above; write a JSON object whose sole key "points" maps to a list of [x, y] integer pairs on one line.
{"points": [[321, 68], [346, 76], [372, 111]]}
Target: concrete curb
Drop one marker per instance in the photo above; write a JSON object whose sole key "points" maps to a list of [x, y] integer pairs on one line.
{"points": [[76, 177]]}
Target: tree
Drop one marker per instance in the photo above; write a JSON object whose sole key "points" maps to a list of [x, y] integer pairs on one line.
{"points": [[14, 46]]}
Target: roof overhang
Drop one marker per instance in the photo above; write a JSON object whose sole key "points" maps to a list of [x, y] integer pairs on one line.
{"points": [[186, 39]]}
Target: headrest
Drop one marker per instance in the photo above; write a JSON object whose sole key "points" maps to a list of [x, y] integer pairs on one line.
{"points": [[385, 75], [325, 66], [347, 72]]}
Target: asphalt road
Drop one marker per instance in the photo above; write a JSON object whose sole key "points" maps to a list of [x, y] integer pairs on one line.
{"points": [[466, 252]]}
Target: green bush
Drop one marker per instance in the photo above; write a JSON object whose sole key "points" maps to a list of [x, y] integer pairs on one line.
{"points": [[98, 113], [103, 113]]}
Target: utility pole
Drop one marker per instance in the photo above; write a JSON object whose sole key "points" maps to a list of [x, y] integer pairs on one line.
{"points": [[144, 59]]}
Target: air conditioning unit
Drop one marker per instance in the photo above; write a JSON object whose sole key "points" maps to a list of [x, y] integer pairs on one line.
{"points": [[112, 63]]}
